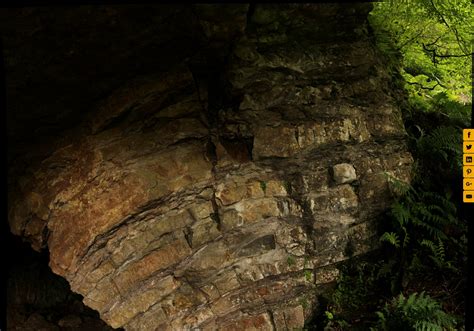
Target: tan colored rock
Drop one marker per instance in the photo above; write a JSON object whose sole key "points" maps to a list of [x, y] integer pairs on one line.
{"points": [[275, 142], [138, 303], [291, 318], [344, 173], [230, 193], [274, 188], [255, 210], [180, 213], [341, 198], [326, 275], [226, 282], [251, 323], [155, 261]]}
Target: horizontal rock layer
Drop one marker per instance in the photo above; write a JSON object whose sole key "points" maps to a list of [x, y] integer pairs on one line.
{"points": [[221, 195]]}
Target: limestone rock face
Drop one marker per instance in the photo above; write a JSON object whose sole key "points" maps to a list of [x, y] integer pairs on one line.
{"points": [[344, 173], [221, 198]]}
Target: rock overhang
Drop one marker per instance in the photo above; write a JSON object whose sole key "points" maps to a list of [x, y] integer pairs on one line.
{"points": [[220, 189]]}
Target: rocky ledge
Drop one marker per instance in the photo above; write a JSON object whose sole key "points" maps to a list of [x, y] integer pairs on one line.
{"points": [[222, 192]]}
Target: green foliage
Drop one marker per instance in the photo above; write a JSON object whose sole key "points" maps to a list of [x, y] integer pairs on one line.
{"points": [[355, 286], [418, 312], [434, 39], [419, 212], [304, 302], [445, 143], [263, 186], [391, 238], [437, 254], [417, 227], [329, 315]]}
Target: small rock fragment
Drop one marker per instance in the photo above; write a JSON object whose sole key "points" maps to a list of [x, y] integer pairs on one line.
{"points": [[344, 173]]}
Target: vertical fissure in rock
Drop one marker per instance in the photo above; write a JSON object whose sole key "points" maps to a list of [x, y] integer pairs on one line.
{"points": [[272, 320], [215, 212]]}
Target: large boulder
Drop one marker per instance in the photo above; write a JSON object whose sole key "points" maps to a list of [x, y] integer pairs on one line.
{"points": [[200, 195]]}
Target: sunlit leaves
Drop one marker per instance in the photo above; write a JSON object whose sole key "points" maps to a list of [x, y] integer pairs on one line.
{"points": [[434, 38]]}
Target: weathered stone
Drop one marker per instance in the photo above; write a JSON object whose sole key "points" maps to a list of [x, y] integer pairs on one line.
{"points": [[182, 300], [341, 198], [326, 275], [103, 295], [153, 318], [138, 303], [231, 219], [255, 210], [274, 188], [275, 142], [291, 318], [151, 263], [227, 282], [251, 323], [218, 192], [229, 194], [344, 173], [203, 231]]}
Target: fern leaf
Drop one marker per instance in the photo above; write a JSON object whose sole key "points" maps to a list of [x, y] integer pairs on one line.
{"points": [[391, 238]]}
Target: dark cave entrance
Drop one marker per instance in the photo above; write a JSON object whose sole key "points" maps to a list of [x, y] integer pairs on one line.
{"points": [[38, 299]]}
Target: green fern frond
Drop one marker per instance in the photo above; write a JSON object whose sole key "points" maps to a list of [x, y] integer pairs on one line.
{"points": [[417, 312], [391, 238], [444, 141], [427, 326], [401, 213]]}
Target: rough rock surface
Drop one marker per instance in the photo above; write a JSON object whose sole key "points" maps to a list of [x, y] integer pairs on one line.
{"points": [[344, 173], [202, 196]]}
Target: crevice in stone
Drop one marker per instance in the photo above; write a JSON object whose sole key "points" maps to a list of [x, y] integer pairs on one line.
{"points": [[45, 236], [272, 319], [297, 136], [215, 215], [307, 221], [188, 235], [211, 154], [240, 149]]}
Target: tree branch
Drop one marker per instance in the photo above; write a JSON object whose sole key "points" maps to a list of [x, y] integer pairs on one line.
{"points": [[424, 87], [413, 38], [454, 55], [435, 55], [443, 20]]}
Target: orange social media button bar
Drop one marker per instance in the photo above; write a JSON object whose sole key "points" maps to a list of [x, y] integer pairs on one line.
{"points": [[468, 159], [468, 134], [468, 184], [468, 196], [468, 171], [468, 147], [468, 165]]}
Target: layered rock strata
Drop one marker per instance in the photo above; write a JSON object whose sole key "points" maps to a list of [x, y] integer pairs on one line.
{"points": [[224, 201]]}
